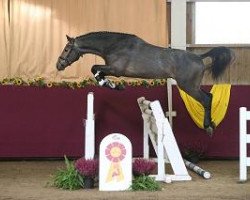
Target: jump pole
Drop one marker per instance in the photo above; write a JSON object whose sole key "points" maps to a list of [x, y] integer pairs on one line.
{"points": [[90, 128], [197, 169]]}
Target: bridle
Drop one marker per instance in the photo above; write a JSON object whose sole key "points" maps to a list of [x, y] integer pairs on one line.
{"points": [[77, 52]]}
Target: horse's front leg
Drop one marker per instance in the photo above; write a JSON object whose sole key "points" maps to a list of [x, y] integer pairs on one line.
{"points": [[100, 71]]}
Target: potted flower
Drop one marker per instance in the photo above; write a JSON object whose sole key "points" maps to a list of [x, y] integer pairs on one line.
{"points": [[142, 168], [88, 168]]}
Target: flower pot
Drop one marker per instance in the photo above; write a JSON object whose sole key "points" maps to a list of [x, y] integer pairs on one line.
{"points": [[89, 182]]}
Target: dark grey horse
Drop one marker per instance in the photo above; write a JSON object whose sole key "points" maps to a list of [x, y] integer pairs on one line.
{"points": [[130, 56]]}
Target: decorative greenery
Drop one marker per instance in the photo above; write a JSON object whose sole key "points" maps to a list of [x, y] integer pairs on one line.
{"points": [[68, 178], [74, 175], [41, 82], [145, 183], [87, 167], [143, 167]]}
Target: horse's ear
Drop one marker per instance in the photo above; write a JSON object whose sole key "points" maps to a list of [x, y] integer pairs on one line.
{"points": [[70, 39]]}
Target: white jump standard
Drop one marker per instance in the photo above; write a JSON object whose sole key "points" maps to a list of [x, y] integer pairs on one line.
{"points": [[157, 128], [244, 140], [90, 128]]}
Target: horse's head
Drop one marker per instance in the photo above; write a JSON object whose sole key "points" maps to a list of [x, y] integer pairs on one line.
{"points": [[70, 54]]}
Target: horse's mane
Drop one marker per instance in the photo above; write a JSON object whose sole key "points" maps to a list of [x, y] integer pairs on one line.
{"points": [[107, 33]]}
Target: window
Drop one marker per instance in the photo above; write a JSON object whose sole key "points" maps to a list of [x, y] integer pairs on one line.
{"points": [[222, 23]]}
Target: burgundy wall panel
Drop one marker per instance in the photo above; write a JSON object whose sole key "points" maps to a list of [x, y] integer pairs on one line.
{"points": [[48, 122]]}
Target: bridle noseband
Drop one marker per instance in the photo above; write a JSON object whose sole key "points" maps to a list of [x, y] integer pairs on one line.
{"points": [[77, 52]]}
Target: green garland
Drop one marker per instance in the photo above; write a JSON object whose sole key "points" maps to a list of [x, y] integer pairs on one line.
{"points": [[41, 82]]}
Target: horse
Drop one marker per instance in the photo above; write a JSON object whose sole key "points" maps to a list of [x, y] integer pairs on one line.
{"points": [[128, 55]]}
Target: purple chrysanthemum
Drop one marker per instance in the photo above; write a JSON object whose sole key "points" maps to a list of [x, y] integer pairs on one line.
{"points": [[143, 167], [87, 167]]}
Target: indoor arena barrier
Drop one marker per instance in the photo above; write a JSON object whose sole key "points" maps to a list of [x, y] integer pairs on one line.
{"points": [[244, 140], [157, 128]]}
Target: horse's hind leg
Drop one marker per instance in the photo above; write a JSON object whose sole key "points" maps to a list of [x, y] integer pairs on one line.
{"points": [[209, 126], [100, 71], [205, 99]]}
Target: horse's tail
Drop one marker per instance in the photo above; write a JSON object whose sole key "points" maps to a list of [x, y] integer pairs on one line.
{"points": [[221, 57]]}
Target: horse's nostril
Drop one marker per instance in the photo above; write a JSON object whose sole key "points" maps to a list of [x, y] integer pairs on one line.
{"points": [[59, 66]]}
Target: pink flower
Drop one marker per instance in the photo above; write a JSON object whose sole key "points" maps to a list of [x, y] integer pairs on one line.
{"points": [[143, 167], [87, 167]]}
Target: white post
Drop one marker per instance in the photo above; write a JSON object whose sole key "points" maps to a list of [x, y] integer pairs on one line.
{"points": [[178, 41], [90, 107], [170, 113], [90, 128], [145, 137], [243, 144], [178, 24]]}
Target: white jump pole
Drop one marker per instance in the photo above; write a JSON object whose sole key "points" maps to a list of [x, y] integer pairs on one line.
{"points": [[197, 169], [90, 128]]}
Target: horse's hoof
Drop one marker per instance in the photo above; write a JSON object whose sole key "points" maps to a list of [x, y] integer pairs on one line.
{"points": [[209, 130], [109, 84]]}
